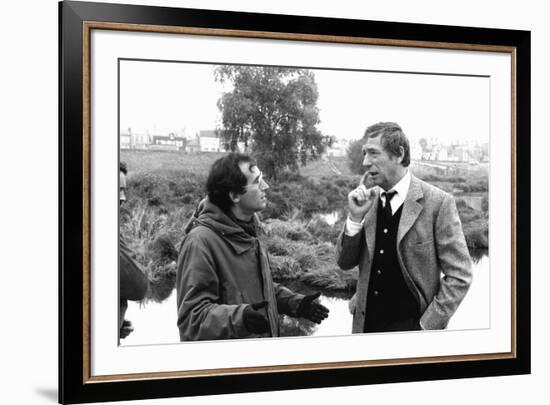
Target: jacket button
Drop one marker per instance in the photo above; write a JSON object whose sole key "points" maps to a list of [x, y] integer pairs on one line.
{"points": [[381, 251], [376, 292], [378, 271], [385, 230]]}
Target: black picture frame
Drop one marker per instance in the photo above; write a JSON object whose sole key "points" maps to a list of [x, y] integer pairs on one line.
{"points": [[75, 385]]}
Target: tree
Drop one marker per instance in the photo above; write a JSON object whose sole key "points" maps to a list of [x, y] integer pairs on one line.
{"points": [[273, 111], [355, 155]]}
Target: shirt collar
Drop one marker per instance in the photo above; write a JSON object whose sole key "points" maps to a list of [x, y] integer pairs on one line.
{"points": [[402, 188]]}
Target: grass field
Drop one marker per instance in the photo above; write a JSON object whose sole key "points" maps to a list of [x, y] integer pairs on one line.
{"points": [[199, 163], [160, 161]]}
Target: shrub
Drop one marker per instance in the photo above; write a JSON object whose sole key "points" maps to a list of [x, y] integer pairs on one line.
{"points": [[460, 203], [485, 204], [188, 199], [162, 280], [293, 230], [277, 204], [314, 203], [166, 189], [288, 176], [341, 182], [285, 268], [155, 201], [278, 246], [473, 186], [477, 234], [307, 196], [332, 278], [354, 152]]}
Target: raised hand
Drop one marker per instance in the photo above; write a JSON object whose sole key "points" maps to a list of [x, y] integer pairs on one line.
{"points": [[360, 200]]}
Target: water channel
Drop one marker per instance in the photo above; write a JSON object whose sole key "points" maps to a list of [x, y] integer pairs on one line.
{"points": [[156, 323]]}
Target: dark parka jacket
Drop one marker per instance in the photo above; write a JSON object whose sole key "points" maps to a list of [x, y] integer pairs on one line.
{"points": [[221, 269]]}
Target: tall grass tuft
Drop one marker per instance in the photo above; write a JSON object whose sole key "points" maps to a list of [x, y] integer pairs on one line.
{"points": [[162, 268], [475, 225]]}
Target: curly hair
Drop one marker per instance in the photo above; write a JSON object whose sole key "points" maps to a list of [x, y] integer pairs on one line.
{"points": [[226, 177]]}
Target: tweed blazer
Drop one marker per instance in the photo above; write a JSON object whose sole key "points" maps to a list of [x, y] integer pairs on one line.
{"points": [[431, 250]]}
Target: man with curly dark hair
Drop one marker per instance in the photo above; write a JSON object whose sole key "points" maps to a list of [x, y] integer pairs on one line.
{"points": [[224, 284]]}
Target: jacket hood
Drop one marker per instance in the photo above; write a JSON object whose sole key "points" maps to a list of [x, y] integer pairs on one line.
{"points": [[211, 216]]}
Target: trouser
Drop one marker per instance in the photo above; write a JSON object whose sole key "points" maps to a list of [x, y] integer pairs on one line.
{"points": [[388, 325]]}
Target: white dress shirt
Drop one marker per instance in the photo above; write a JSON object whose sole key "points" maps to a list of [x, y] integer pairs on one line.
{"points": [[401, 189]]}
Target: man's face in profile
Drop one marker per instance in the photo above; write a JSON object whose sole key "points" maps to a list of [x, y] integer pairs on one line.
{"points": [[122, 188], [382, 167], [254, 198]]}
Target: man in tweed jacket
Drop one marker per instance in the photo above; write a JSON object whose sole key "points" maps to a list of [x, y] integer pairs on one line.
{"points": [[406, 237]]}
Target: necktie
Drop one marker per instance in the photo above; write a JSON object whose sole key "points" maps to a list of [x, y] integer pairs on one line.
{"points": [[387, 208]]}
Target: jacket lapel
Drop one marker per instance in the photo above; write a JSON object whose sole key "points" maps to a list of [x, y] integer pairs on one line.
{"points": [[411, 209], [369, 226]]}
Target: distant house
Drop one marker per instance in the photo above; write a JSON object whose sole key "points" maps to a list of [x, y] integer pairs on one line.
{"points": [[168, 142], [125, 139], [338, 148], [459, 154], [134, 140], [193, 145], [209, 141], [442, 154], [416, 151]]}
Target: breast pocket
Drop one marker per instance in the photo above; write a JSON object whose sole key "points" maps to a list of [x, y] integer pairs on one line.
{"points": [[420, 256], [418, 237]]}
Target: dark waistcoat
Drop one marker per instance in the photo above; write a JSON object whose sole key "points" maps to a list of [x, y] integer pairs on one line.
{"points": [[390, 304]]}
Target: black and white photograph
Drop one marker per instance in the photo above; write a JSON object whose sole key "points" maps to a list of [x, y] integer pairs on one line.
{"points": [[254, 201]]}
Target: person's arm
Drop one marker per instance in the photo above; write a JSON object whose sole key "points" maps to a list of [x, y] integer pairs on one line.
{"points": [[298, 305], [348, 248], [455, 264], [349, 243], [287, 300], [201, 316], [133, 281]]}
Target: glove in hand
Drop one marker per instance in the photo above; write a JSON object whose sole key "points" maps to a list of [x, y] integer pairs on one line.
{"points": [[254, 320], [312, 310], [126, 329]]}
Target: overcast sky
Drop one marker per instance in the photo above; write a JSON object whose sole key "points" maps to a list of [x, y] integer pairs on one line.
{"points": [[172, 96]]}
